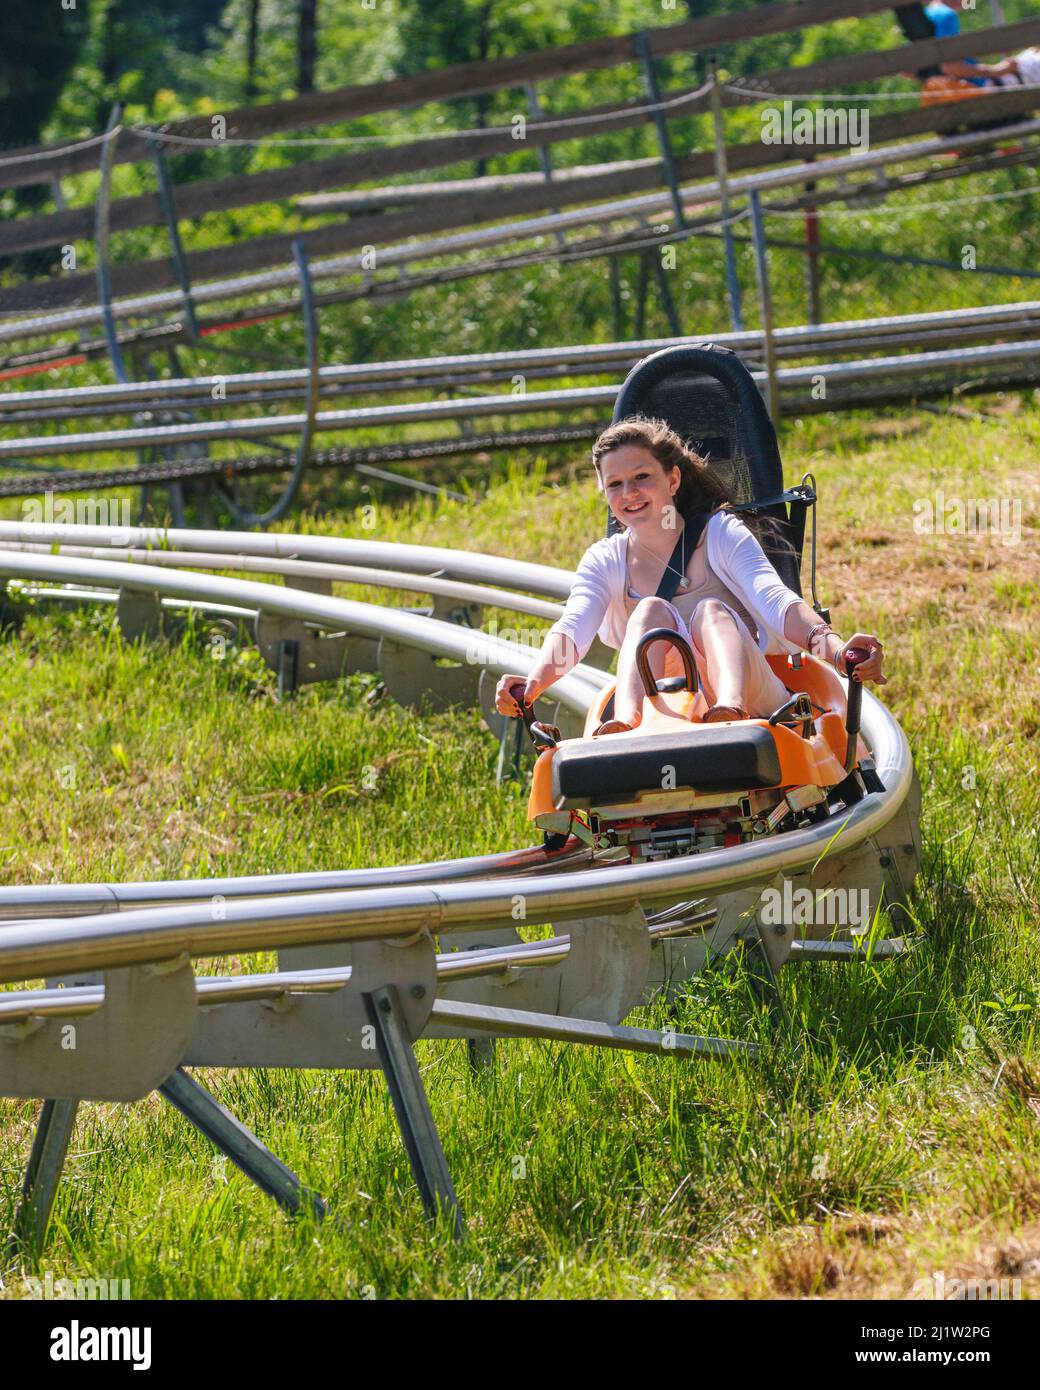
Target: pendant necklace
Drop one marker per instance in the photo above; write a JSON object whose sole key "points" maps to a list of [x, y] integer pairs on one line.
{"points": [[684, 580]]}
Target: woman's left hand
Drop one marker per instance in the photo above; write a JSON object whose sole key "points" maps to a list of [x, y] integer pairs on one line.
{"points": [[869, 670]]}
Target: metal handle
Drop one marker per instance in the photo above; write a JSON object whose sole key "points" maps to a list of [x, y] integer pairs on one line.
{"points": [[852, 657], [665, 634], [542, 735]]}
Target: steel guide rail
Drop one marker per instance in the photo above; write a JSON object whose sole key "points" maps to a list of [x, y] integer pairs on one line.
{"points": [[98, 942], [396, 255], [420, 560], [145, 950], [417, 373], [601, 398], [303, 569], [79, 1000], [26, 481]]}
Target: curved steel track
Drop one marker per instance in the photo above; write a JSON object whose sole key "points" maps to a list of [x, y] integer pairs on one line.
{"points": [[118, 924]]}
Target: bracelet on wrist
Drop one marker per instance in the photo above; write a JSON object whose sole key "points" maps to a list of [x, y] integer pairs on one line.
{"points": [[820, 630]]}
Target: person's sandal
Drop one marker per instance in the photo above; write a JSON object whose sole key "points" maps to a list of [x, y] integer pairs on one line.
{"points": [[612, 726], [723, 714]]}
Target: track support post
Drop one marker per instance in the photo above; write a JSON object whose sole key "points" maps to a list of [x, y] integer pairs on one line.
{"points": [[414, 1117], [653, 96], [736, 314], [42, 1177], [288, 667], [765, 295], [101, 243], [545, 163], [762, 976], [238, 1143], [169, 212]]}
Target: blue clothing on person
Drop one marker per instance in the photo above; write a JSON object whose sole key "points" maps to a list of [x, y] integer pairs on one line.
{"points": [[946, 22]]}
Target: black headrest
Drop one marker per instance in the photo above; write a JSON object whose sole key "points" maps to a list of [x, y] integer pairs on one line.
{"points": [[710, 399], [708, 396]]}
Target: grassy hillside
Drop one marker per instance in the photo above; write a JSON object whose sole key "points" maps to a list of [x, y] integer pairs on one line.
{"points": [[902, 1138]]}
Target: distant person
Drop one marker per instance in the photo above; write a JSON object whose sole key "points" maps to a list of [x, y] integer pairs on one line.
{"points": [[957, 80], [946, 21], [936, 20], [1021, 70]]}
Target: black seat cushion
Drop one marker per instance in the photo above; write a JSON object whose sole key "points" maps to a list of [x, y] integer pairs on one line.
{"points": [[706, 758]]}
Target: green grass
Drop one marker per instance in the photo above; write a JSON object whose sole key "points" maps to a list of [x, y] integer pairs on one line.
{"points": [[900, 1137]]}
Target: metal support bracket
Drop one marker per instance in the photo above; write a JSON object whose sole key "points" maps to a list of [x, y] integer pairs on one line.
{"points": [[169, 212], [641, 42], [412, 678], [322, 656], [602, 976], [244, 516], [288, 667], [414, 1117], [139, 615], [121, 1051], [319, 1030], [513, 1023], [238, 1143], [42, 1177]]}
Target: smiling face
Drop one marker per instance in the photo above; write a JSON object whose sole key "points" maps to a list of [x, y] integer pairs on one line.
{"points": [[637, 488]]}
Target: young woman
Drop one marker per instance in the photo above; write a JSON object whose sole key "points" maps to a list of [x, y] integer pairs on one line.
{"points": [[730, 603]]}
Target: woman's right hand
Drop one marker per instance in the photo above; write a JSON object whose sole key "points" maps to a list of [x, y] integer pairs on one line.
{"points": [[505, 700]]}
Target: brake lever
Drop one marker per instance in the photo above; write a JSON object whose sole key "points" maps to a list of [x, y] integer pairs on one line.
{"points": [[543, 736], [853, 709]]}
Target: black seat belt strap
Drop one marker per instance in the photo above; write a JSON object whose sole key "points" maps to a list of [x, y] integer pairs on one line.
{"points": [[687, 543]]}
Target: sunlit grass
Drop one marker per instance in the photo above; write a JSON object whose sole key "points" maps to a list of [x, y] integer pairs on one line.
{"points": [[897, 1131]]}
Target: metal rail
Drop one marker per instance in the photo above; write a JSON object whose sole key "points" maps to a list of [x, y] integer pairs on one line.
{"points": [[442, 639], [115, 939], [595, 397], [658, 203], [31, 480], [419, 560], [929, 336], [583, 359], [78, 1001], [600, 398], [303, 569]]}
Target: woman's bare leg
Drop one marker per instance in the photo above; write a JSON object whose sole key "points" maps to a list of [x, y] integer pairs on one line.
{"points": [[628, 699], [721, 638]]}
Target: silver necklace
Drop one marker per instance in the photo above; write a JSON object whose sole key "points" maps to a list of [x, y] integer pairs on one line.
{"points": [[684, 580]]}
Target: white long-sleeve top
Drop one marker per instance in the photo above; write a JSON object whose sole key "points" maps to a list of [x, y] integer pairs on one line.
{"points": [[597, 598]]}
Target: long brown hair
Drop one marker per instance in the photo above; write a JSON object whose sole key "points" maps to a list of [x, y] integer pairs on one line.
{"points": [[700, 487]]}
